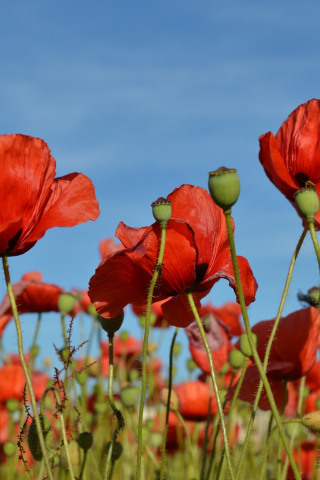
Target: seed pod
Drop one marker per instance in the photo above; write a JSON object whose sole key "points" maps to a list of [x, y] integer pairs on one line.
{"points": [[129, 396], [66, 303], [33, 437], [236, 359], [245, 346], [224, 187], [161, 210], [111, 325], [116, 451], [85, 440], [307, 202], [312, 421]]}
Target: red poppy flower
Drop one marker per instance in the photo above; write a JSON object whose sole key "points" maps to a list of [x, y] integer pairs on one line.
{"points": [[229, 313], [293, 354], [293, 156], [313, 384], [194, 398], [12, 382], [197, 255], [175, 430], [83, 298], [218, 341], [307, 455], [160, 321], [108, 246], [32, 199]]}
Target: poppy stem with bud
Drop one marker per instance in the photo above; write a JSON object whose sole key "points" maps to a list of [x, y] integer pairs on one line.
{"points": [[24, 365], [163, 451], [214, 382], [161, 210]]}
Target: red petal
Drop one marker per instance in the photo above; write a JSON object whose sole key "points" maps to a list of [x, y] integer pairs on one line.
{"points": [[9, 232], [108, 246], [219, 358], [4, 320], [177, 310], [129, 236], [125, 276], [229, 313], [194, 398]]}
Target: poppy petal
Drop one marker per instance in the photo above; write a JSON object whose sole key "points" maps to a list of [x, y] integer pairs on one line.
{"points": [[177, 310], [129, 236]]}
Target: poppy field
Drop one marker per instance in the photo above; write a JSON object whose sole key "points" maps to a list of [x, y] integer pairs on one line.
{"points": [[254, 410]]}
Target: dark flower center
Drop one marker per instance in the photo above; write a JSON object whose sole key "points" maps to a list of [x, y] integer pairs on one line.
{"points": [[301, 178]]}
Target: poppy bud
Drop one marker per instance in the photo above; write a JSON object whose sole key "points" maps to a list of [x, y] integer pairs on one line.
{"points": [[66, 303], [92, 311], [161, 210], [222, 394], [224, 369], [236, 359], [129, 396], [100, 407], [133, 375], [245, 346], [12, 405], [307, 202], [149, 423], [314, 295], [82, 377], [176, 349], [312, 421], [124, 336], [156, 439], [224, 187], [174, 400], [10, 449], [33, 437], [85, 440], [116, 451], [34, 351], [111, 325], [191, 365]]}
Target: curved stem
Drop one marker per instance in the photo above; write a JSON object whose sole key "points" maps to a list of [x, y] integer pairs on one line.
{"points": [[310, 225], [83, 464], [118, 414], [145, 345], [194, 463], [214, 382], [253, 347], [24, 365], [163, 451], [63, 429]]}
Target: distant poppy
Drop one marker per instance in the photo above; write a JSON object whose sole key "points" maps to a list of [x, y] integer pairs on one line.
{"points": [[292, 157], [33, 200], [108, 246], [194, 398], [83, 299], [292, 355], [218, 341], [156, 310], [197, 255], [12, 382], [306, 457], [229, 313]]}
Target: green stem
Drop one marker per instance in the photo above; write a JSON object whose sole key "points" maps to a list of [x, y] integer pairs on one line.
{"points": [[83, 464], [214, 382], [310, 225], [34, 340], [149, 452], [233, 402], [293, 436], [206, 436], [63, 429], [24, 365], [118, 414], [255, 355], [284, 401], [145, 345], [194, 463], [163, 451], [41, 470]]}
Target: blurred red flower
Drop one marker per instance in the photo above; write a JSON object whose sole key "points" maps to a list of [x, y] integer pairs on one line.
{"points": [[33, 200], [306, 457], [194, 398], [197, 255], [218, 341], [292, 355], [293, 156], [229, 313], [160, 321], [108, 246], [12, 382]]}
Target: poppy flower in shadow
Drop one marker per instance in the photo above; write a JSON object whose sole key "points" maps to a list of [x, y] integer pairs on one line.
{"points": [[33, 200], [292, 157], [197, 255], [229, 313], [157, 317], [218, 341], [194, 400], [292, 355], [109, 246]]}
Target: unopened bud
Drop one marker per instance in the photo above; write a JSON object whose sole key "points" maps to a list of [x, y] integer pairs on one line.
{"points": [[129, 396], [236, 359], [245, 345], [66, 303], [224, 187], [312, 421], [85, 440], [10, 449], [307, 202], [116, 451], [161, 210], [112, 325], [174, 400]]}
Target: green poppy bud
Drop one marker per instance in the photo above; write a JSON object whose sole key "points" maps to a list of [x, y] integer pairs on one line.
{"points": [[156, 439], [92, 311], [100, 407], [85, 440], [82, 377], [236, 359], [10, 449], [124, 336], [223, 393], [129, 396], [112, 325], [34, 351], [312, 421], [245, 346], [176, 349], [134, 375], [307, 202], [162, 210], [116, 451], [149, 423], [224, 187], [33, 437], [12, 405], [191, 365], [224, 369], [314, 295], [66, 303]]}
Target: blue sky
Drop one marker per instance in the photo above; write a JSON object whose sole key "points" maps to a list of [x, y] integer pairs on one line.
{"points": [[145, 96]]}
